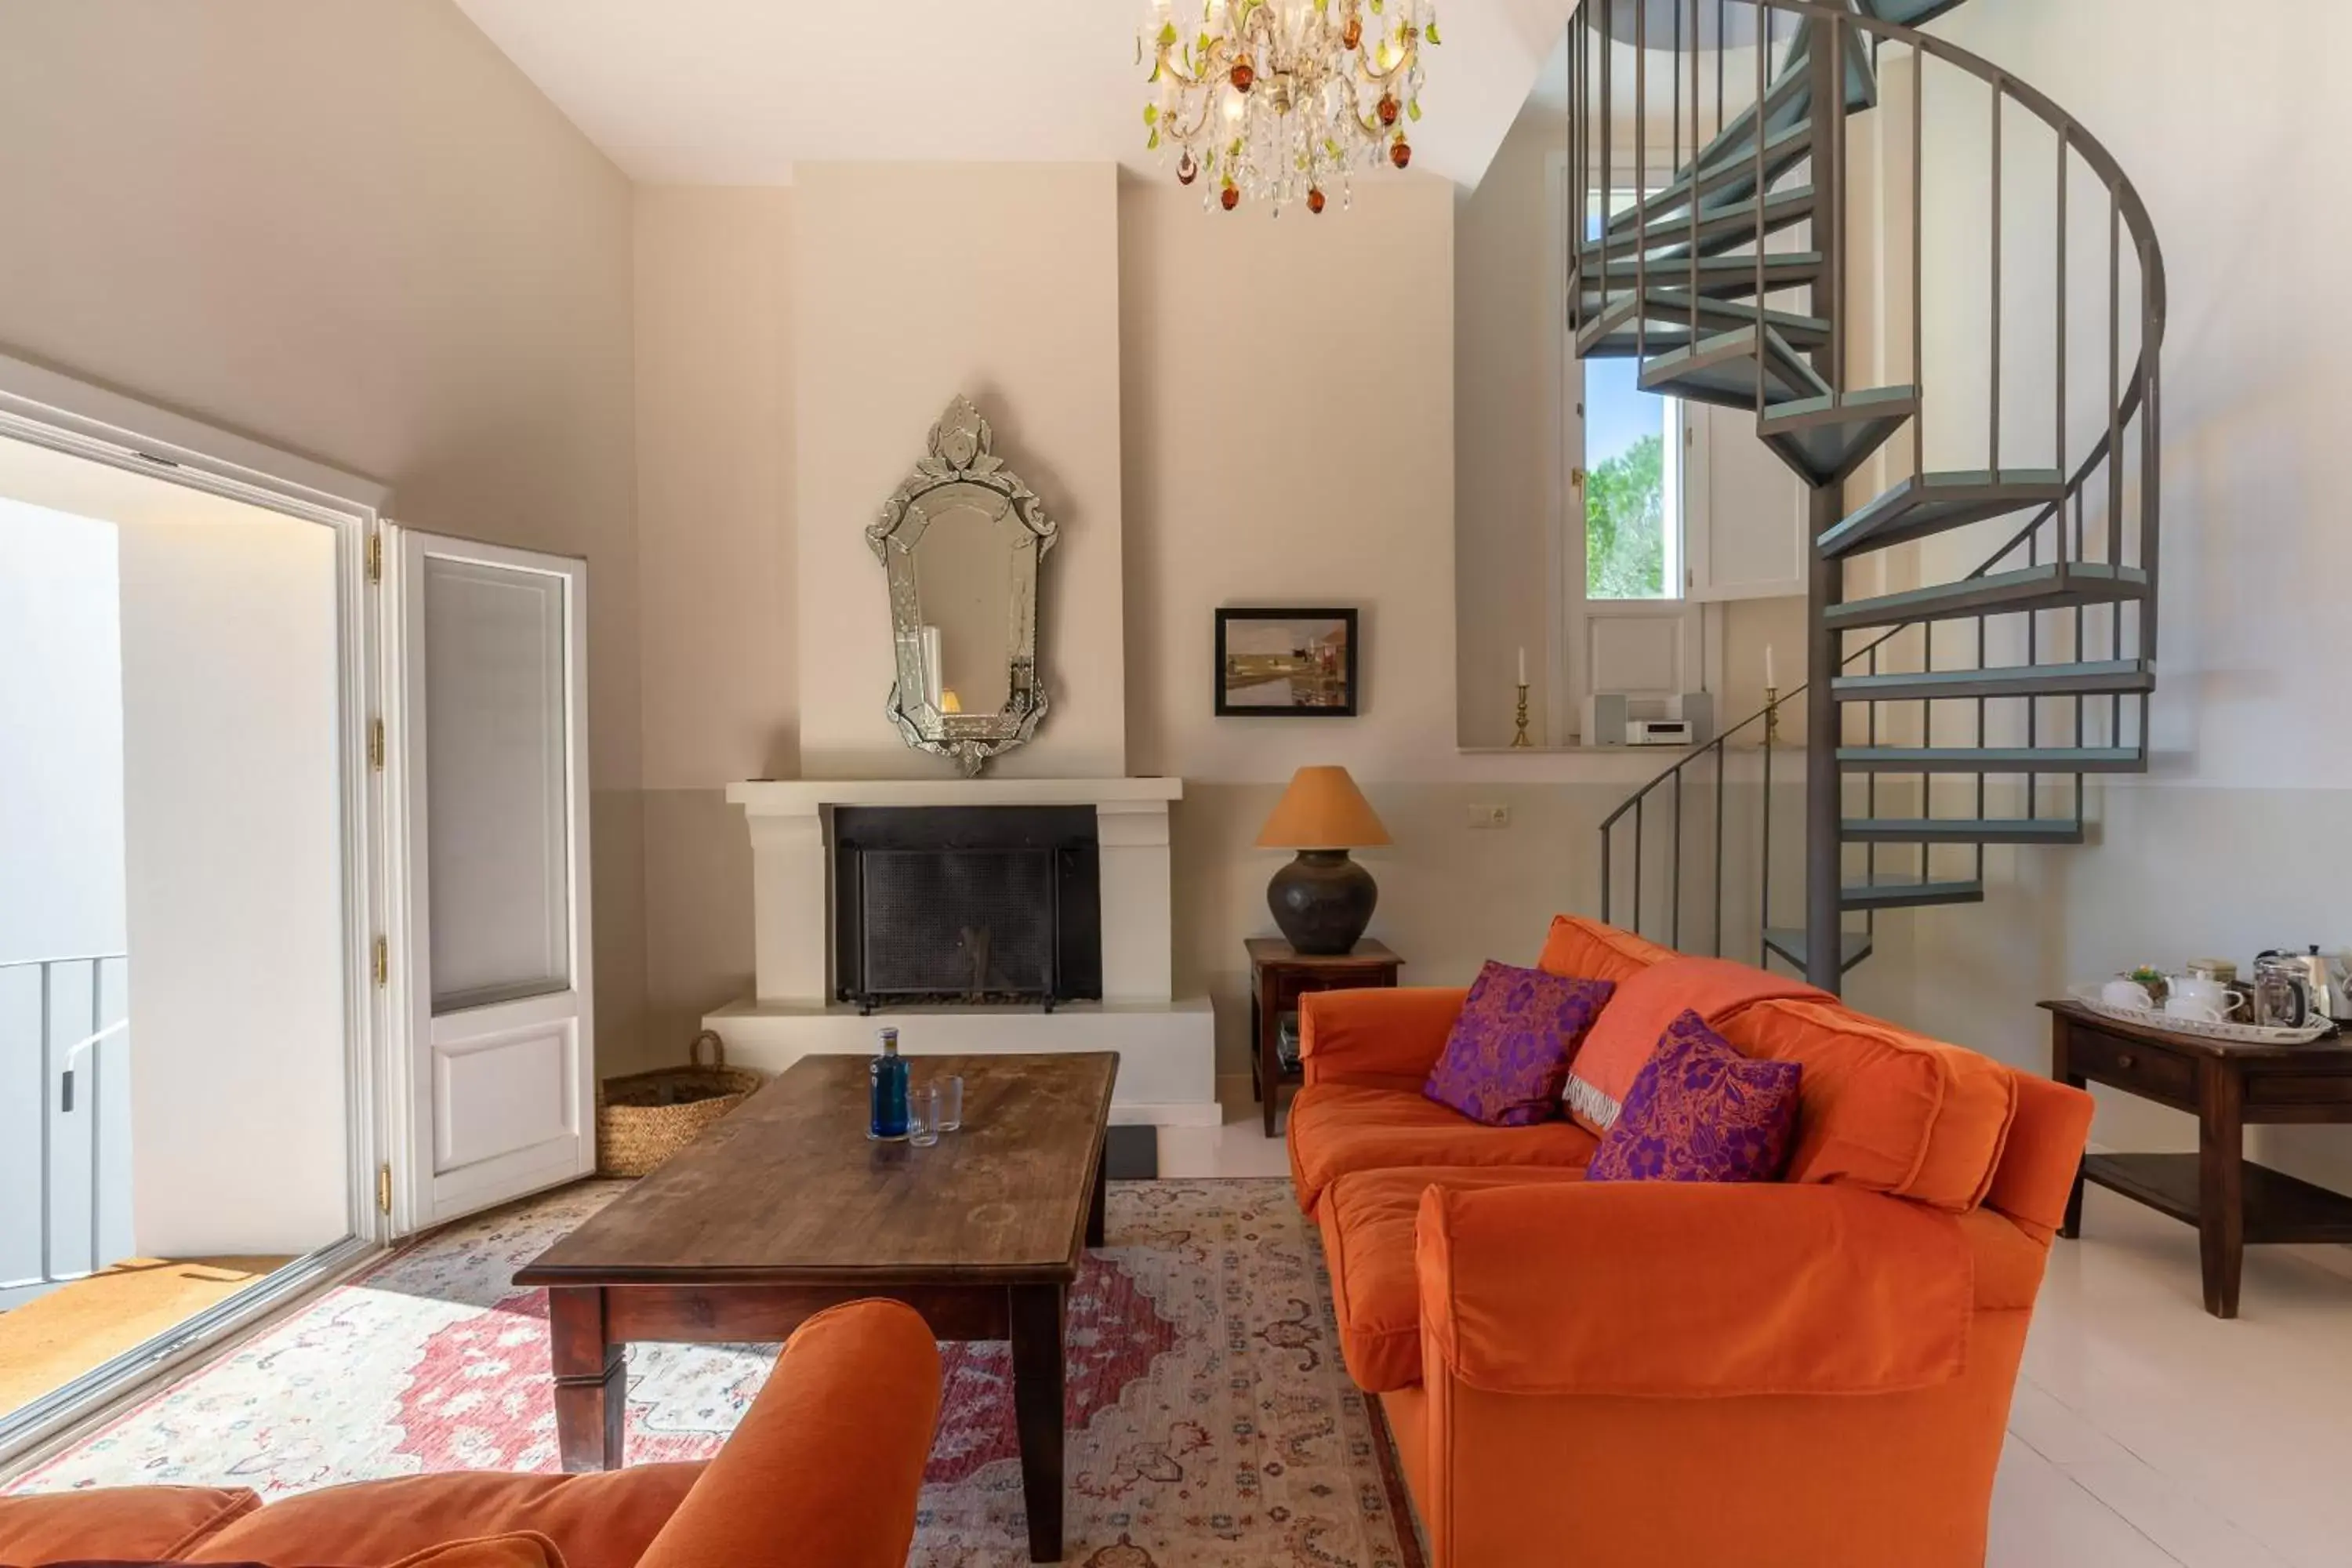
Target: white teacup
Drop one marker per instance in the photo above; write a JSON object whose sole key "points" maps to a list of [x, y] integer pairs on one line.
{"points": [[2125, 994], [2201, 1010], [2205, 992]]}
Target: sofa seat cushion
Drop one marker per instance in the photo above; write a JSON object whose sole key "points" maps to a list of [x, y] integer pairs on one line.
{"points": [[599, 1521], [1337, 1128], [1884, 1109], [120, 1523], [1367, 1221]]}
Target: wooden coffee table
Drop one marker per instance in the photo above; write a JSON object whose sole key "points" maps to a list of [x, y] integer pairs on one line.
{"points": [[786, 1208]]}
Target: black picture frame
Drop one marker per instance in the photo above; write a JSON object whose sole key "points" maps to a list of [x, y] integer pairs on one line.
{"points": [[1345, 667]]}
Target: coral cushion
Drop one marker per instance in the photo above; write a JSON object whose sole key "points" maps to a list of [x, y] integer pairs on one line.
{"points": [[1700, 1111], [600, 1520], [123, 1523], [1506, 1059], [1588, 950], [521, 1549], [1367, 1223], [1881, 1108], [1338, 1128], [1637, 1018]]}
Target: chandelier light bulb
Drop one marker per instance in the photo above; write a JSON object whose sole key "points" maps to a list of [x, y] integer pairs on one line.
{"points": [[1278, 99]]}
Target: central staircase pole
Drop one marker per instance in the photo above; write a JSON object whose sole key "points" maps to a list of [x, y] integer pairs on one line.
{"points": [[1824, 917]]}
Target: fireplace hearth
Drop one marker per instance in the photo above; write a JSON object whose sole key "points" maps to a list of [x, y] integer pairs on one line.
{"points": [[973, 905]]}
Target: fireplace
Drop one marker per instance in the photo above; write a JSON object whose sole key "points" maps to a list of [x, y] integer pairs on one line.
{"points": [[984, 905]]}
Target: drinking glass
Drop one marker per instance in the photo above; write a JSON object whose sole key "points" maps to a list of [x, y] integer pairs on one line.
{"points": [[923, 1116], [949, 1090]]}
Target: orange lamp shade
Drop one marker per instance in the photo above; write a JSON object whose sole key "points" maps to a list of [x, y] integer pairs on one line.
{"points": [[1322, 809]]}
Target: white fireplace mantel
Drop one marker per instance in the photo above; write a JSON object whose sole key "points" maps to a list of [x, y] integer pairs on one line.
{"points": [[1167, 1044]]}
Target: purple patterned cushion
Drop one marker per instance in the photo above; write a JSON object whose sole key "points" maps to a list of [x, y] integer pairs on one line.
{"points": [[1507, 1056], [1700, 1111]]}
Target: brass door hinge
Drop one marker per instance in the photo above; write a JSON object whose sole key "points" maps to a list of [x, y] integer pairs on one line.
{"points": [[382, 962], [376, 745], [383, 1187], [375, 556]]}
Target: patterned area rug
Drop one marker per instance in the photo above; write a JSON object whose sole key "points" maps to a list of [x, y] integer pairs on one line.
{"points": [[1212, 1424]]}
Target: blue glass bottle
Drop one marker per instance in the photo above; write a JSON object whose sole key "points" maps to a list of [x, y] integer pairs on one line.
{"points": [[887, 1091]]}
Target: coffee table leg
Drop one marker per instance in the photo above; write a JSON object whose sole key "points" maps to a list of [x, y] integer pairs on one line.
{"points": [[1036, 1320], [590, 1390], [1101, 1204]]}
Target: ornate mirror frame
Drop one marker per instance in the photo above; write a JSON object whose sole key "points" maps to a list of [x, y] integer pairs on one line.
{"points": [[962, 470]]}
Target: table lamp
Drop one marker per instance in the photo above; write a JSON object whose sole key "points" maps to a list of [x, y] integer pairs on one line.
{"points": [[1322, 901]]}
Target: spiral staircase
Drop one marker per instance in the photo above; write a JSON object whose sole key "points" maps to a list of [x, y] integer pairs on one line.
{"points": [[1983, 551]]}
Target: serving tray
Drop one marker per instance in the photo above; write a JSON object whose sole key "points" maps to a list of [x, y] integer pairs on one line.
{"points": [[2157, 1019]]}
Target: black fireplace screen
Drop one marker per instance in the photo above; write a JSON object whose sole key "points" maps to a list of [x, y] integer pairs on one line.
{"points": [[967, 904]]}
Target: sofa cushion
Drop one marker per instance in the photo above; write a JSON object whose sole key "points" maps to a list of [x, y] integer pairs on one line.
{"points": [[1639, 1015], [1881, 1108], [1367, 1223], [122, 1523], [599, 1521], [1506, 1059], [1337, 1128], [1588, 950], [1700, 1111]]}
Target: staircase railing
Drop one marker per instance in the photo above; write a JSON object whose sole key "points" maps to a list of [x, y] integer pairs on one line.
{"points": [[2068, 599]]}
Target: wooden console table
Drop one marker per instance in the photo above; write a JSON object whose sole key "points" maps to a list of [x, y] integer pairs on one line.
{"points": [[2226, 1086], [1279, 975]]}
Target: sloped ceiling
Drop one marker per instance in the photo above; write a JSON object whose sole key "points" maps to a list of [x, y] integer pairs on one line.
{"points": [[737, 91]]}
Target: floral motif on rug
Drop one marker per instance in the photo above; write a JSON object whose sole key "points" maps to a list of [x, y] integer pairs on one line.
{"points": [[1211, 1423]]}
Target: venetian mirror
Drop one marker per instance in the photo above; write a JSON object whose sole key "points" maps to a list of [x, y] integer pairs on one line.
{"points": [[961, 541]]}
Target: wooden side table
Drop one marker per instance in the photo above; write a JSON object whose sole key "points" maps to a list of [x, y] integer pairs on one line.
{"points": [[1279, 975], [2231, 1200]]}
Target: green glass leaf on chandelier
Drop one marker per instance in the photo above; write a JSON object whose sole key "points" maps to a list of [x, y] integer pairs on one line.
{"points": [[1376, 8], [1167, 34], [1412, 110], [1151, 143], [1431, 31], [1151, 114]]}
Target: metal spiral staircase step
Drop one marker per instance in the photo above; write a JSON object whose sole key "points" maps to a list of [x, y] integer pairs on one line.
{"points": [[1992, 759], [1790, 944], [1909, 13], [1719, 277], [1908, 894], [1608, 332], [1722, 369], [2062, 585], [1668, 238], [2098, 678], [1824, 439], [2045, 830], [1922, 504]]}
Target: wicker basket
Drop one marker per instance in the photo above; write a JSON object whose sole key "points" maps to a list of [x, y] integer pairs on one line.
{"points": [[644, 1117]]}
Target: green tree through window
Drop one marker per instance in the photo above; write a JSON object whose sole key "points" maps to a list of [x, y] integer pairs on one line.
{"points": [[1624, 523]]}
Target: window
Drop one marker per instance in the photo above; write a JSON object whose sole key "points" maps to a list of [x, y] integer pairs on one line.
{"points": [[1633, 489]]}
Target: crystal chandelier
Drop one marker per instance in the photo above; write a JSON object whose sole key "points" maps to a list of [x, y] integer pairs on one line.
{"points": [[1280, 100]]}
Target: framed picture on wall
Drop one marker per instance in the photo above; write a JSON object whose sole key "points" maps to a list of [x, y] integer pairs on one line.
{"points": [[1286, 663]]}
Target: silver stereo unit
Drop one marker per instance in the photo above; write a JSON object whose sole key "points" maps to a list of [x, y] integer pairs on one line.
{"points": [[1660, 733]]}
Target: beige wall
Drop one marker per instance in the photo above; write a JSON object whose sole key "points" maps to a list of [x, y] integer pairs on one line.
{"points": [[914, 283], [358, 232]]}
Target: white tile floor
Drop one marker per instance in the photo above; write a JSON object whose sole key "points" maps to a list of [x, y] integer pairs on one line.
{"points": [[2143, 1434]]}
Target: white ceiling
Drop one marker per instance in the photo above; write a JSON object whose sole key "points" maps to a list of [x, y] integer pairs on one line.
{"points": [[737, 91]]}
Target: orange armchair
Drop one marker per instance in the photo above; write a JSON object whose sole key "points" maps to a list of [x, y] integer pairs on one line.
{"points": [[823, 1472]]}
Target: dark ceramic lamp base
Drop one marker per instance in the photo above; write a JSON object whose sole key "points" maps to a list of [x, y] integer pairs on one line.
{"points": [[1322, 901]]}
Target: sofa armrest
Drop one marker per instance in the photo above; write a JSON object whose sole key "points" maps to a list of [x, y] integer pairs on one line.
{"points": [[824, 1467], [1386, 1038], [1675, 1290]]}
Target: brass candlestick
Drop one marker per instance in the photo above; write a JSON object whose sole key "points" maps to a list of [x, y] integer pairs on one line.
{"points": [[1772, 715], [1520, 737]]}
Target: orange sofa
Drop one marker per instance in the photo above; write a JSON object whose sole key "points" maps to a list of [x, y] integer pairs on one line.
{"points": [[1811, 1373], [823, 1472]]}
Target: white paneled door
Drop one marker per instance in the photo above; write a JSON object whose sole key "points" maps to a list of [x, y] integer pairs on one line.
{"points": [[488, 786]]}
